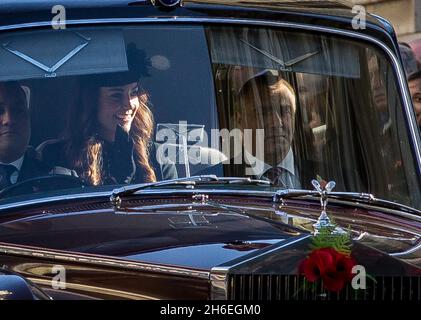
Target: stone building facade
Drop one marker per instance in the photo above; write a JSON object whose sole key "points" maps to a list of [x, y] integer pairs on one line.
{"points": [[405, 15]]}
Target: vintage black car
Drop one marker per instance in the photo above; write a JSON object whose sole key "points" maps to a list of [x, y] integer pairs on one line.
{"points": [[192, 150]]}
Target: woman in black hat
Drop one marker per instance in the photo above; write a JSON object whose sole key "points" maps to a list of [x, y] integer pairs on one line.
{"points": [[109, 134]]}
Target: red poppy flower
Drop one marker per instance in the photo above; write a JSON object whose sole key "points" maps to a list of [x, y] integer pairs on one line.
{"points": [[334, 268], [317, 263], [340, 273], [333, 280], [344, 265]]}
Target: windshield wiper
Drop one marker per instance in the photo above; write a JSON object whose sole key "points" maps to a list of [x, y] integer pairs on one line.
{"points": [[189, 182], [365, 198], [284, 64]]}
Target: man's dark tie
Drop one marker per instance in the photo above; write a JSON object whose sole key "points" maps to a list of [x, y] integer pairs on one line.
{"points": [[6, 171]]}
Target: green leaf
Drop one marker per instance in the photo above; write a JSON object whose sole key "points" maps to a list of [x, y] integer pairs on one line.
{"points": [[325, 239]]}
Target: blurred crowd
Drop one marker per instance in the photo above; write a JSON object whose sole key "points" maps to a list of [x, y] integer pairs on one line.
{"points": [[411, 57]]}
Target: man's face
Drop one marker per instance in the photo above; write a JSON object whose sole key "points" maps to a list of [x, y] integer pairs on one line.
{"points": [[14, 123], [378, 85], [415, 89], [273, 111]]}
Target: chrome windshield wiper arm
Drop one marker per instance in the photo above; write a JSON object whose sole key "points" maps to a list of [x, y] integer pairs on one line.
{"points": [[190, 182], [127, 190], [366, 198], [265, 53], [283, 64], [295, 193]]}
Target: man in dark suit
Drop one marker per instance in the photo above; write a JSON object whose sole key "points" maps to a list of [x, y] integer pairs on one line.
{"points": [[18, 161], [269, 107]]}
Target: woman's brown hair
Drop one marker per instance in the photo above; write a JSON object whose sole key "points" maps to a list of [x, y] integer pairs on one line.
{"points": [[85, 148]]}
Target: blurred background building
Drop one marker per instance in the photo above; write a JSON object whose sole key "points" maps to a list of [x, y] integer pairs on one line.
{"points": [[405, 15]]}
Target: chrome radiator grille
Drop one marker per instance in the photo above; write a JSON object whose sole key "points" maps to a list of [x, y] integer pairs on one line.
{"points": [[293, 287]]}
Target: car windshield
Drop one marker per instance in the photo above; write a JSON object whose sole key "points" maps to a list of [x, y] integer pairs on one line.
{"points": [[86, 108]]}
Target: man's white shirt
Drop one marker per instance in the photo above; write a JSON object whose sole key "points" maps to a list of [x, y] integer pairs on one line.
{"points": [[259, 167]]}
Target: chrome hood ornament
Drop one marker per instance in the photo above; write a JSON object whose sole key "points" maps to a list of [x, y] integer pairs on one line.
{"points": [[324, 221]]}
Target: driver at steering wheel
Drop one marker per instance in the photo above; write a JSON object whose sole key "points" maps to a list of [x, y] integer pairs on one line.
{"points": [[18, 161]]}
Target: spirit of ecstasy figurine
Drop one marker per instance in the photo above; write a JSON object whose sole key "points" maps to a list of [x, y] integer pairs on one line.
{"points": [[324, 221]]}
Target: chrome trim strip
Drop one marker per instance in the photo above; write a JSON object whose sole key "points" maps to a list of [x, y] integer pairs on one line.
{"points": [[218, 285], [89, 289], [377, 208], [45, 200], [237, 192], [270, 194], [101, 261], [107, 194], [282, 195], [409, 251]]}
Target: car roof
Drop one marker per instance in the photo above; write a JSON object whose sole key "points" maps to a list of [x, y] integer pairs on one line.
{"points": [[337, 14], [302, 4]]}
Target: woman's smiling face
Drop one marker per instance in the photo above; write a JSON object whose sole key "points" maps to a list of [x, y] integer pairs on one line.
{"points": [[117, 106]]}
